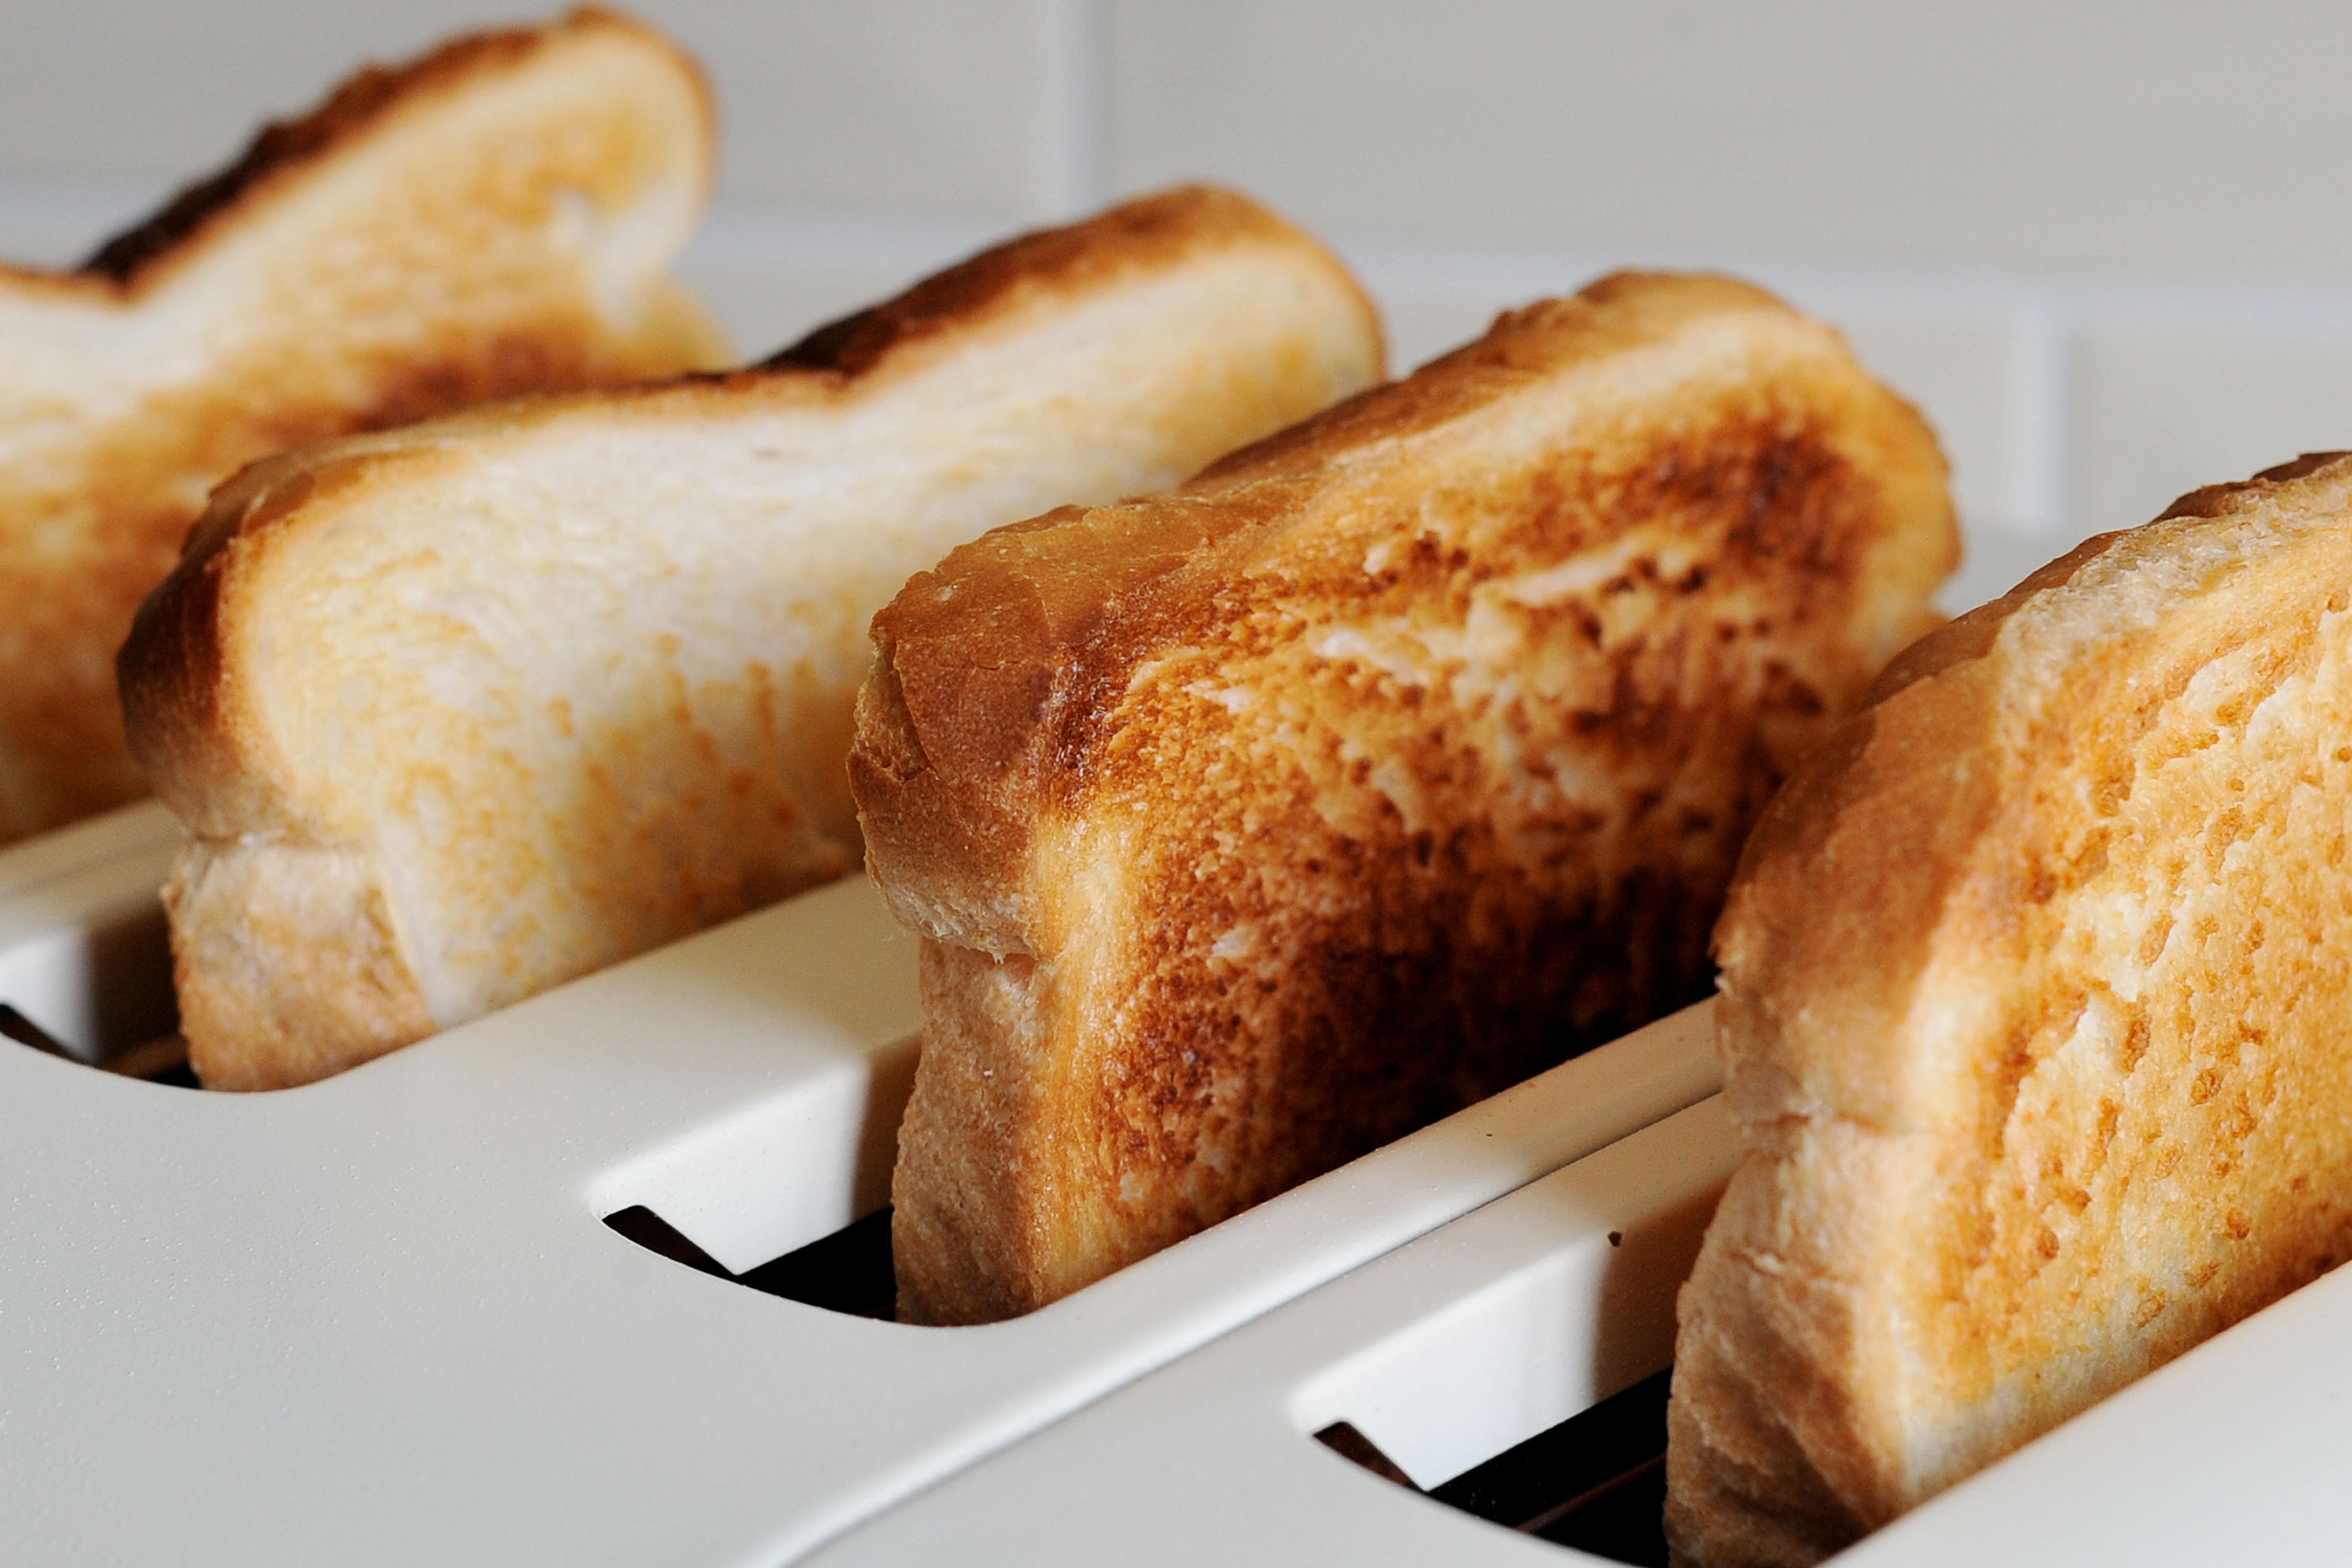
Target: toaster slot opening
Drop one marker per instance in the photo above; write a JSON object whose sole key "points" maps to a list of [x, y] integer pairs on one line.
{"points": [[1596, 1482], [1526, 1380], [789, 1197], [162, 1059], [847, 1271], [85, 952], [15, 1025]]}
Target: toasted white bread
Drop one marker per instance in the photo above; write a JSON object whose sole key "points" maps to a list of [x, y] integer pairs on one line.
{"points": [[460, 711], [2035, 1016], [1254, 824], [493, 218]]}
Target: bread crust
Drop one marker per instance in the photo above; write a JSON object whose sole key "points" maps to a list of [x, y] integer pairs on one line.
{"points": [[1030, 270], [2007, 1134], [137, 258], [1238, 323], [1205, 906], [237, 321], [188, 729]]}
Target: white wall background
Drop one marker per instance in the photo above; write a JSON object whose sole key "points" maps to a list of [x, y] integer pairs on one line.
{"points": [[2101, 244]]}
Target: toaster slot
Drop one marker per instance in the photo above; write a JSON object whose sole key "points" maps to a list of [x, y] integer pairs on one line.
{"points": [[15, 1025], [731, 1099], [99, 988], [724, 1199], [163, 1060], [847, 1271], [1540, 1398], [788, 1196], [1499, 1382], [1479, 1401], [1596, 1482], [85, 954], [1496, 1392]]}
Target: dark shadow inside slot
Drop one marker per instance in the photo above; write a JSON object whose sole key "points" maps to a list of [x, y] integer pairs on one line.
{"points": [[848, 1272], [163, 1060], [15, 1025], [1597, 1481], [176, 1073]]}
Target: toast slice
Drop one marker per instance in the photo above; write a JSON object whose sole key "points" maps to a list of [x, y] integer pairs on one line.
{"points": [[494, 218], [2034, 1016], [459, 711], [1252, 825]]}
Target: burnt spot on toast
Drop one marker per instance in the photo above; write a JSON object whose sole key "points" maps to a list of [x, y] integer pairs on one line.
{"points": [[1352, 836]]}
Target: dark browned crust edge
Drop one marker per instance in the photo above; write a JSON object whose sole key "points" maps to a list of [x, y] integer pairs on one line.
{"points": [[957, 741], [1972, 636], [1149, 231], [179, 713], [282, 149], [1617, 311], [2212, 500], [168, 669]]}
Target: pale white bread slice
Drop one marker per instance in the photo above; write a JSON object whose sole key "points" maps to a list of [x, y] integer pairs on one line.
{"points": [[462, 710], [493, 218], [1252, 825], [2036, 1020]]}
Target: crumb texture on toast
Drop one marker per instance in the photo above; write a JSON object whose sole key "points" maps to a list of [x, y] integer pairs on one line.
{"points": [[462, 710], [495, 218], [1251, 825], [2034, 1010]]}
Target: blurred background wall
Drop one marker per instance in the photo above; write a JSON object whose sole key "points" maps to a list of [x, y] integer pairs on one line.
{"points": [[2102, 246]]}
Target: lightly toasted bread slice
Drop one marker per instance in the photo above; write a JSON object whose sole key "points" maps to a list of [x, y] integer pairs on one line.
{"points": [[1252, 825], [2037, 1024], [493, 218], [459, 711]]}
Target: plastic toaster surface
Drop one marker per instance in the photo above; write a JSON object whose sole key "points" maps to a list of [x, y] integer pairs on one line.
{"points": [[376, 1319]]}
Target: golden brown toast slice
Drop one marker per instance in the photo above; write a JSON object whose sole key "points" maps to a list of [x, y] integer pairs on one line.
{"points": [[462, 710], [2037, 1023], [1252, 825], [493, 218]]}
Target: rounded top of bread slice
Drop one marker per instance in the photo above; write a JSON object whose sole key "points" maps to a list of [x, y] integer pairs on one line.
{"points": [[1930, 787], [457, 91]]}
